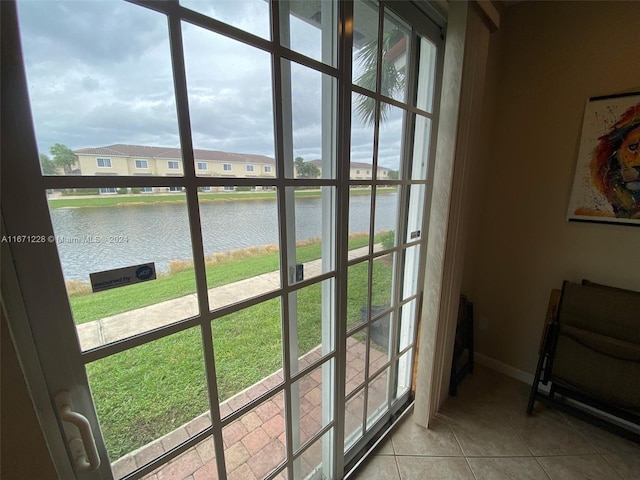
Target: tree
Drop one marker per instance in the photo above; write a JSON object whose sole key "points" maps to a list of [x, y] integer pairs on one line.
{"points": [[306, 170], [63, 157], [393, 174], [47, 165], [392, 80]]}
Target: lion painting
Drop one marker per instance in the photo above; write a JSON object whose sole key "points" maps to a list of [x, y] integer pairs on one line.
{"points": [[615, 166]]}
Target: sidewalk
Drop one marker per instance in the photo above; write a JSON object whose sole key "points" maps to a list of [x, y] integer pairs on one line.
{"points": [[124, 325], [254, 444]]}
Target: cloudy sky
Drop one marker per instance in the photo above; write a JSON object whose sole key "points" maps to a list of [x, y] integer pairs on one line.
{"points": [[99, 73]]}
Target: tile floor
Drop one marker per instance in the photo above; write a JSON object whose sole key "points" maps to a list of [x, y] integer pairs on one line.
{"points": [[484, 434]]}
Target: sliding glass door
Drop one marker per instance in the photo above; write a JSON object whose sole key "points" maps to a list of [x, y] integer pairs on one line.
{"points": [[231, 199]]}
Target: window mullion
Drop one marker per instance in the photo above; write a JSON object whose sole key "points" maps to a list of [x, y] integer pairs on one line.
{"points": [[345, 45], [188, 165], [283, 111], [329, 22]]}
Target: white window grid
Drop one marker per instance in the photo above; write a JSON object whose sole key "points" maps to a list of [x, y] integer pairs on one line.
{"points": [[280, 183]]}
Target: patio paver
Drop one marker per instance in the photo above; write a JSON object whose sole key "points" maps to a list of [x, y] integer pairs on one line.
{"points": [[255, 443]]}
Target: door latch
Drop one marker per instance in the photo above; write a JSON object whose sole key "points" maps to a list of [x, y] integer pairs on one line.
{"points": [[79, 435]]}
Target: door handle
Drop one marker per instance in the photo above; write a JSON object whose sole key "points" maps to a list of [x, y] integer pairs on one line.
{"points": [[79, 435]]}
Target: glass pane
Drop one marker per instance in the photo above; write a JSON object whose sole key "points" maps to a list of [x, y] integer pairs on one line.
{"points": [[395, 45], [354, 410], [240, 238], [359, 221], [365, 44], [308, 335], [196, 462], [362, 121], [382, 282], [314, 399], [309, 123], [426, 75], [420, 167], [386, 219], [310, 27], [411, 269], [248, 350], [124, 228], [114, 93], [231, 113], [408, 322], [356, 357], [390, 150], [377, 398], [249, 15], [311, 459], [416, 210], [404, 369], [255, 444], [150, 396], [314, 215], [379, 347], [213, 163], [357, 294]]}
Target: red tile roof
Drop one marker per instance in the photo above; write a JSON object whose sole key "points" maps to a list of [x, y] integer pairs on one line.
{"points": [[173, 153], [318, 163]]}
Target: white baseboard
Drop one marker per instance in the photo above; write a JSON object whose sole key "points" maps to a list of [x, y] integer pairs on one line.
{"points": [[527, 378], [508, 370]]}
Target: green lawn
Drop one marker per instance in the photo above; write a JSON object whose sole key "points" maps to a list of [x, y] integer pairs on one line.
{"points": [[144, 393], [137, 199], [93, 306]]}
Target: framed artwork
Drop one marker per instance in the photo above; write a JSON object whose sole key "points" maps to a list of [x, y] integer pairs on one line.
{"points": [[606, 186]]}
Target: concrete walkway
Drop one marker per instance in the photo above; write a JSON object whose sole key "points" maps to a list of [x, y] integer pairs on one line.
{"points": [[124, 325]]}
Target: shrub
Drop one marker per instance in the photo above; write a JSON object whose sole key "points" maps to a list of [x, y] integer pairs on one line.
{"points": [[81, 191], [77, 287], [388, 239]]}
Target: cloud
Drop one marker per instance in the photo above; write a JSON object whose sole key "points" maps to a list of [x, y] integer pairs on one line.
{"points": [[249, 15], [230, 93], [96, 32], [100, 73]]}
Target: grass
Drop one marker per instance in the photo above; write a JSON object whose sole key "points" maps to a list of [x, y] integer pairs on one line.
{"points": [[221, 269], [148, 391], [138, 199]]}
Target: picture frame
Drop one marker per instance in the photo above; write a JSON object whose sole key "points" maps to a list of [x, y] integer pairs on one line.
{"points": [[606, 184]]}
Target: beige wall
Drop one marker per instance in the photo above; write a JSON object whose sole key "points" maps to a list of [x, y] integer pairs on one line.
{"points": [[546, 60], [89, 165], [160, 166]]}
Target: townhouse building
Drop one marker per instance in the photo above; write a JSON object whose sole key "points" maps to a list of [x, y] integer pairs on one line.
{"points": [[132, 160]]}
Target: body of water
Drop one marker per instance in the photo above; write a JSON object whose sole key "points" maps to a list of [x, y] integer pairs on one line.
{"points": [[102, 238]]}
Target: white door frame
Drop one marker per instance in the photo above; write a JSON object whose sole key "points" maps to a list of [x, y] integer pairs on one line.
{"points": [[45, 298]]}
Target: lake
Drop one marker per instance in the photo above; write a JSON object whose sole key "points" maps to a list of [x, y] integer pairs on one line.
{"points": [[101, 238]]}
